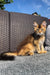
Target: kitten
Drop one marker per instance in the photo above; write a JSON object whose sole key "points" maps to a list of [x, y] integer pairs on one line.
{"points": [[33, 42]]}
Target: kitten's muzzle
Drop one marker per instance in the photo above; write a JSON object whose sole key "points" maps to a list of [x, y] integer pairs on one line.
{"points": [[40, 34]]}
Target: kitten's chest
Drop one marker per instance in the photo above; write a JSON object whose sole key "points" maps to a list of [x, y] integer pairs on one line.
{"points": [[41, 40]]}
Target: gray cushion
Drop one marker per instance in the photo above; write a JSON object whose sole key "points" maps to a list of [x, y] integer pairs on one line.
{"points": [[48, 36]]}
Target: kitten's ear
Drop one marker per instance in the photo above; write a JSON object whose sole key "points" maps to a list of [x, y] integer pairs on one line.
{"points": [[44, 24], [35, 24]]}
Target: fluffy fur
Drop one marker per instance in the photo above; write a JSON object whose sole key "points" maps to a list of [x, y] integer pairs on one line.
{"points": [[33, 42]]}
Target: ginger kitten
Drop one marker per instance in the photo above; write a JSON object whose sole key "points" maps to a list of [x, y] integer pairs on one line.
{"points": [[33, 42]]}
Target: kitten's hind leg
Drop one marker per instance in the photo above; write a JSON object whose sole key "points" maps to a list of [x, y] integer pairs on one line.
{"points": [[31, 53]]}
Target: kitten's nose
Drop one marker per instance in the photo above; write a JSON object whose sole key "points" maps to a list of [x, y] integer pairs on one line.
{"points": [[39, 31]]}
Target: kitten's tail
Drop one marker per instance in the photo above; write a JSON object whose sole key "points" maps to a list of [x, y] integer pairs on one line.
{"points": [[8, 56]]}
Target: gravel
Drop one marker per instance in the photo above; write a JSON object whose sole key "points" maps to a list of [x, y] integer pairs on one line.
{"points": [[38, 64]]}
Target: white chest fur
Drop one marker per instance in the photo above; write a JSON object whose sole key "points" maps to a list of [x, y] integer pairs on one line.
{"points": [[41, 41]]}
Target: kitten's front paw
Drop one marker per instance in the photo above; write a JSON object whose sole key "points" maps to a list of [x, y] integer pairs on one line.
{"points": [[44, 51], [40, 52]]}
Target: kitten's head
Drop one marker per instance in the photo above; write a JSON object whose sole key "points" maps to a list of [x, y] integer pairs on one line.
{"points": [[40, 29]]}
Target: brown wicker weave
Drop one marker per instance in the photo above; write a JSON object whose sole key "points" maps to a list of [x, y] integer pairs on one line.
{"points": [[4, 31]]}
